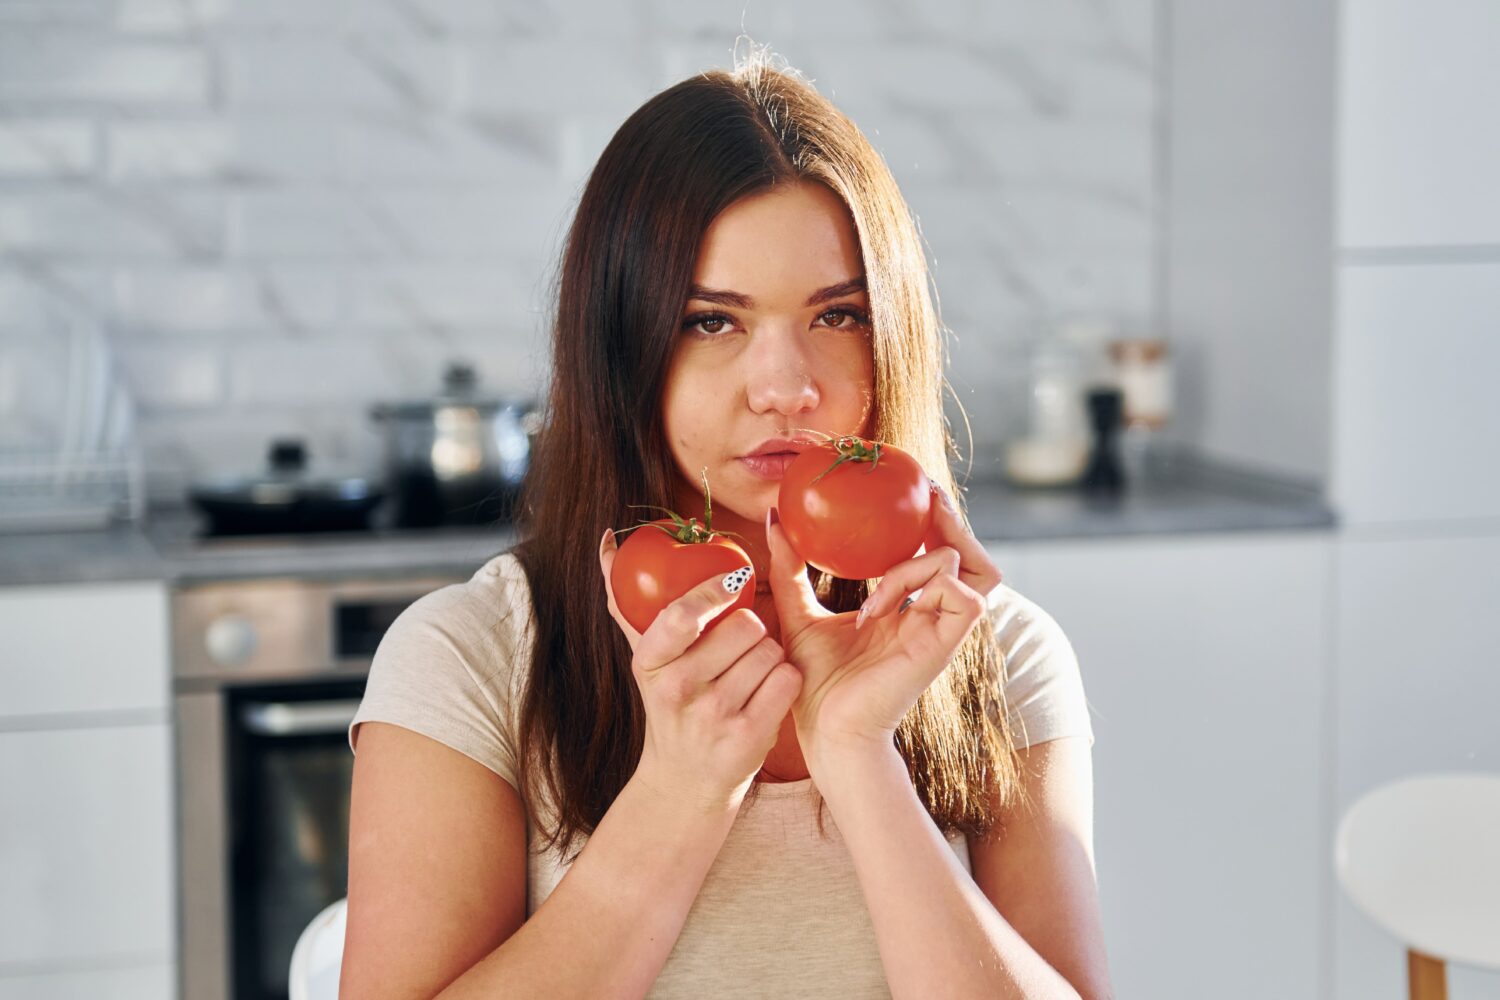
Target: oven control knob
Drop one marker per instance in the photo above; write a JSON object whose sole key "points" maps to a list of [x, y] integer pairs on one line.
{"points": [[230, 639]]}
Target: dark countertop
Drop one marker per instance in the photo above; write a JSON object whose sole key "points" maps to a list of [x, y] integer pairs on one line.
{"points": [[1178, 496]]}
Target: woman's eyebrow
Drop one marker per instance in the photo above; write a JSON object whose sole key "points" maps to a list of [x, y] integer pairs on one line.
{"points": [[735, 299]]}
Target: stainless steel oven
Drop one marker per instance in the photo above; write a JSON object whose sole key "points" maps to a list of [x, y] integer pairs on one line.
{"points": [[267, 676]]}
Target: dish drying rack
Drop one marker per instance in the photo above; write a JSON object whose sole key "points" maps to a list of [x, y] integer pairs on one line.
{"points": [[52, 491], [88, 473]]}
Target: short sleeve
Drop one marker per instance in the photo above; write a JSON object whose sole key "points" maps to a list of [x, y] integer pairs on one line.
{"points": [[444, 668], [1044, 697]]}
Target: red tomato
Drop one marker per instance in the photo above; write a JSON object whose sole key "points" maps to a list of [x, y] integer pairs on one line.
{"points": [[653, 568], [855, 508]]}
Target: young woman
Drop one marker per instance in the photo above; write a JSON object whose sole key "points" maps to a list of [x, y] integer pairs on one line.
{"points": [[548, 803]]}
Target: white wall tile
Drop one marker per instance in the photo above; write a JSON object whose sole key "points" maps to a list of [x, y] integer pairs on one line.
{"points": [[36, 67], [111, 223], [1416, 417], [244, 150], [169, 376], [42, 147], [1419, 151], [585, 74], [216, 299]]}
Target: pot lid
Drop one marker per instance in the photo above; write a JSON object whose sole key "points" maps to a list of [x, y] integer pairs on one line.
{"points": [[285, 483], [460, 389]]}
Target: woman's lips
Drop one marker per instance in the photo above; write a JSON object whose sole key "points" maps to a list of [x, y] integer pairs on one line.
{"points": [[769, 466]]}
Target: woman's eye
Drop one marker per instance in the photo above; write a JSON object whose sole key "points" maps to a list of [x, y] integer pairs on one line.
{"points": [[856, 318], [692, 322], [713, 324]]}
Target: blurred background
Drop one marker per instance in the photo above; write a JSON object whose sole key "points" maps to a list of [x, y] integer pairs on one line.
{"points": [[1223, 284]]}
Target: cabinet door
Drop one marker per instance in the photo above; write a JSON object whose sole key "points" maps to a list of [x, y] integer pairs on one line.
{"points": [[1418, 678], [83, 648], [146, 982], [1203, 660], [1416, 415], [1419, 150], [86, 848]]}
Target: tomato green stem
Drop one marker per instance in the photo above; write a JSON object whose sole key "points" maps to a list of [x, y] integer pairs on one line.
{"points": [[853, 449]]}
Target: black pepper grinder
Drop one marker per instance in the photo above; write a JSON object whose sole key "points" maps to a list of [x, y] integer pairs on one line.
{"points": [[1104, 476]]}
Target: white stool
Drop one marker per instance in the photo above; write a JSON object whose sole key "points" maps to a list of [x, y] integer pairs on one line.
{"points": [[1421, 858], [318, 955]]}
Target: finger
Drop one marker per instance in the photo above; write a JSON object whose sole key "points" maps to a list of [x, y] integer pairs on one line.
{"points": [[946, 613], [773, 699], [735, 685], [905, 577], [680, 623], [791, 590], [607, 549], [948, 527]]}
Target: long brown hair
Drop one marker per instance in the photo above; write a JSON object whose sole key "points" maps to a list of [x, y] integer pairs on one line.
{"points": [[628, 259]]}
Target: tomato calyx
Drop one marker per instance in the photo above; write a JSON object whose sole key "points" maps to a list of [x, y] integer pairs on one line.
{"points": [[688, 532], [853, 449]]}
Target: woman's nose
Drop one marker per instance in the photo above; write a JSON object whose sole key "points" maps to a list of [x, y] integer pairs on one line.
{"points": [[780, 376]]}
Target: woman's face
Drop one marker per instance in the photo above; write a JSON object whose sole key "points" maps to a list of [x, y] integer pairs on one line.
{"points": [[765, 347]]}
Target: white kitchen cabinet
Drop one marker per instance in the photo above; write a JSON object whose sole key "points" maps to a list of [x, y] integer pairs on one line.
{"points": [[86, 851], [1204, 663], [1418, 146], [87, 883], [84, 648], [1418, 676], [1416, 415], [145, 982]]}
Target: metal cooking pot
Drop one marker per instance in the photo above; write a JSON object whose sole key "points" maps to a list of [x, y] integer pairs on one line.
{"points": [[459, 458]]}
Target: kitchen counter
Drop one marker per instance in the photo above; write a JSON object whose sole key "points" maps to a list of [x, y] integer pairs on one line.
{"points": [[1177, 496]]}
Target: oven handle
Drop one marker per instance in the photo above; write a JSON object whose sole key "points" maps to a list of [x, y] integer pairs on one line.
{"points": [[302, 718]]}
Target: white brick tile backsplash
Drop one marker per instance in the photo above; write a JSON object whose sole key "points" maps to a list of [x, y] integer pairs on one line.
{"points": [[215, 299], [46, 148], [336, 72], [52, 68], [111, 223], [282, 210], [458, 222], [426, 300], [187, 16], [270, 370], [174, 376], [520, 150], [323, 222], [559, 75], [246, 150]]}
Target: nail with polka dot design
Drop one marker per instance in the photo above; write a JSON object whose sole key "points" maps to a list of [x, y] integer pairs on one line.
{"points": [[735, 581]]}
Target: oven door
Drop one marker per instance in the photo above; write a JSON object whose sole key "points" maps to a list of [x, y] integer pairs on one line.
{"points": [[290, 771]]}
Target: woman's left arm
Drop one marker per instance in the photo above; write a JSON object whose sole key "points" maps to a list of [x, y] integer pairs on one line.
{"points": [[941, 932]]}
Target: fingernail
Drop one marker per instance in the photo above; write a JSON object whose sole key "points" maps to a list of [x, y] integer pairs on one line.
{"points": [[864, 609], [947, 500], [736, 581]]}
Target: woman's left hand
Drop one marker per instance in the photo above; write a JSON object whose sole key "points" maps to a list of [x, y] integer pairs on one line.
{"points": [[859, 683]]}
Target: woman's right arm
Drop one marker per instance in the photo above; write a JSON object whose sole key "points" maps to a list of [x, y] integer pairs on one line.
{"points": [[437, 856], [437, 882]]}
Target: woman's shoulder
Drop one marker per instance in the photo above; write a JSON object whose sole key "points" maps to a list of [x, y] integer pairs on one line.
{"points": [[473, 620], [449, 665], [1043, 687]]}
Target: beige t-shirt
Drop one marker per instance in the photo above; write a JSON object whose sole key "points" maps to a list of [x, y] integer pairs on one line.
{"points": [[780, 912]]}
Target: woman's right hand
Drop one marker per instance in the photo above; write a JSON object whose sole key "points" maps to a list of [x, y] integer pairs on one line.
{"points": [[715, 702]]}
